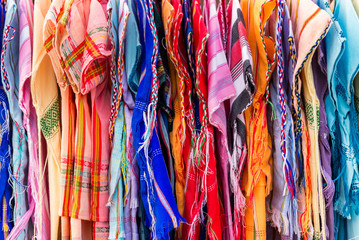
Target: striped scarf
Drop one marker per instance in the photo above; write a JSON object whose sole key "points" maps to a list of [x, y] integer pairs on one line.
{"points": [[220, 89], [240, 63]]}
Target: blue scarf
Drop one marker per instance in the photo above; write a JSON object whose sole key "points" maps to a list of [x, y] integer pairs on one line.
{"points": [[161, 210], [5, 151]]}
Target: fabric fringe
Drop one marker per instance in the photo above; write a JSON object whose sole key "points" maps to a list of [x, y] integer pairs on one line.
{"points": [[277, 219]]}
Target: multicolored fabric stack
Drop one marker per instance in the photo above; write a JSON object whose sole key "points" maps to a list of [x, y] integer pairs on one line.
{"points": [[179, 119]]}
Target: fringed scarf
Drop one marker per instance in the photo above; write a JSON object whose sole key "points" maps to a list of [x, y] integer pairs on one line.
{"points": [[29, 116], [258, 173], [220, 89], [283, 203], [202, 187], [11, 83], [160, 206], [119, 164], [5, 149], [240, 62]]}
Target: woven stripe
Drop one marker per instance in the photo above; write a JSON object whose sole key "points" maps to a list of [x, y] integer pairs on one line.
{"points": [[48, 43], [308, 20], [96, 158], [77, 188]]}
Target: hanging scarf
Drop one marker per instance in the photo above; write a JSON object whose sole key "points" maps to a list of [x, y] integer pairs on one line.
{"points": [[182, 129], [133, 67], [5, 148], [305, 23], [161, 210], [119, 164], [321, 86], [95, 81], [48, 111], [164, 97], [220, 89], [342, 120], [258, 173], [241, 72], [25, 104], [10, 78], [52, 43], [283, 204]]}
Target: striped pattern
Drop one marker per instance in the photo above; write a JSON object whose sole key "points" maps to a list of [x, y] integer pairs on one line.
{"points": [[83, 56], [240, 63], [220, 89], [220, 84]]}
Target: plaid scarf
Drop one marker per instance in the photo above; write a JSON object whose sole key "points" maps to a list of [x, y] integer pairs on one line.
{"points": [[79, 56]]}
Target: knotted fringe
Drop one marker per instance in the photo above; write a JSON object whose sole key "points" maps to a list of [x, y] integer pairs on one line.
{"points": [[118, 88], [236, 165], [276, 219], [199, 204]]}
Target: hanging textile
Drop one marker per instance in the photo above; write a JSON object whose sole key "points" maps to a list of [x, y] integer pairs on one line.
{"points": [[143, 119]]}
